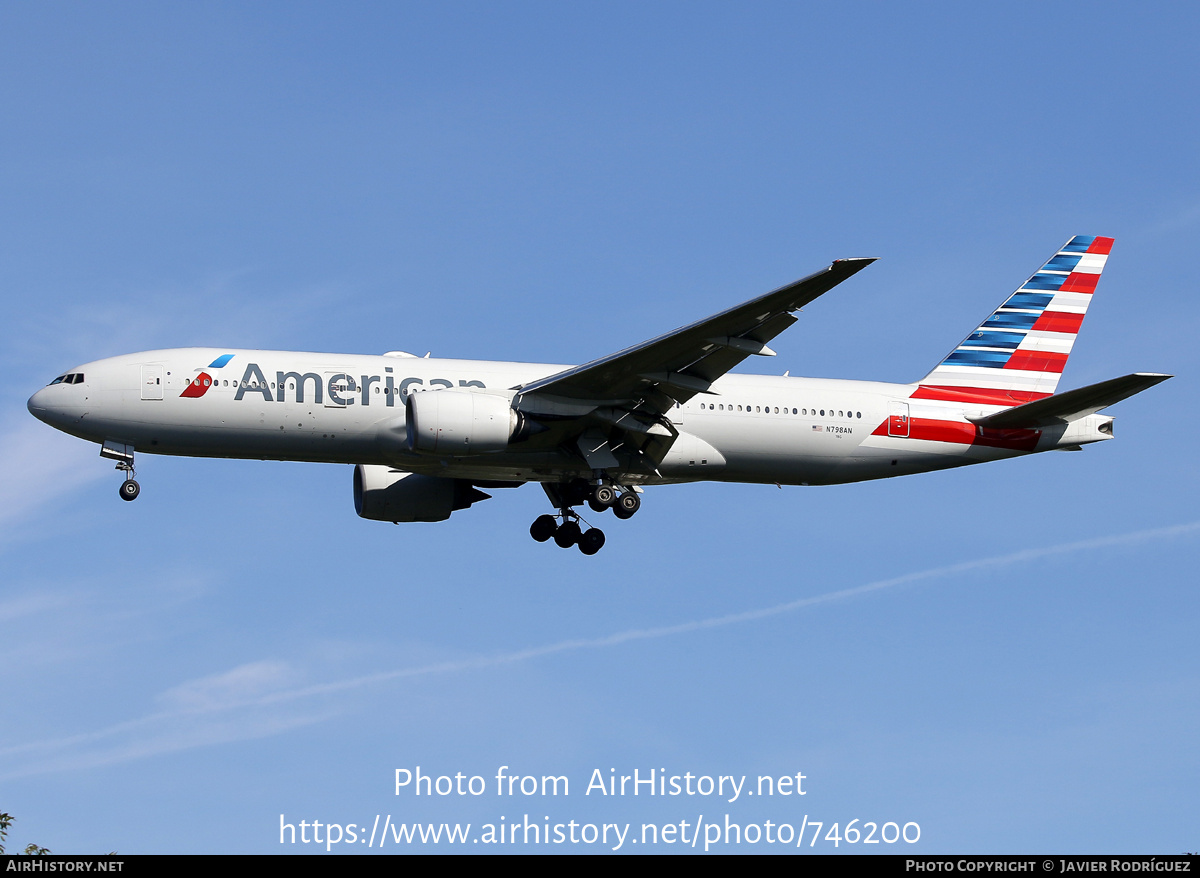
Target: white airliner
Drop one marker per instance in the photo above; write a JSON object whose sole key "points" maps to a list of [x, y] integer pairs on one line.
{"points": [[427, 434]]}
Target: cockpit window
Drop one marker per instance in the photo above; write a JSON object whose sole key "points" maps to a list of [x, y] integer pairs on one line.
{"points": [[78, 376], [59, 380]]}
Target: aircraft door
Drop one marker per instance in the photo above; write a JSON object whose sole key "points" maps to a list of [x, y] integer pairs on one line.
{"points": [[152, 381], [898, 423]]}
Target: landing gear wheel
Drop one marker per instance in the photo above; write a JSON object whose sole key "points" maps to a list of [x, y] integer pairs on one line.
{"points": [[567, 534], [627, 504], [543, 528], [592, 541], [596, 505], [604, 495], [130, 489]]}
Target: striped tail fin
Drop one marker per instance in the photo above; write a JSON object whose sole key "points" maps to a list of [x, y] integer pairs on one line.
{"points": [[1017, 355]]}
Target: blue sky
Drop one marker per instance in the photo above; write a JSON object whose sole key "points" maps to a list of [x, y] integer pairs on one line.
{"points": [[553, 182]]}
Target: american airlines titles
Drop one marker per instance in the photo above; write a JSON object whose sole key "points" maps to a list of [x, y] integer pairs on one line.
{"points": [[340, 388]]}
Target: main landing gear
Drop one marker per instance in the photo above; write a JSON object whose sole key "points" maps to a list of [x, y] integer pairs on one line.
{"points": [[567, 534], [601, 496], [623, 503]]}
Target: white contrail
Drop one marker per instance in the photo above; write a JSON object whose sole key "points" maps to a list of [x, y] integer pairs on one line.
{"points": [[304, 692], [733, 618]]}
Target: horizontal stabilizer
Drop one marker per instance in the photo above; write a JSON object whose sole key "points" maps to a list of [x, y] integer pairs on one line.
{"points": [[1073, 404]]}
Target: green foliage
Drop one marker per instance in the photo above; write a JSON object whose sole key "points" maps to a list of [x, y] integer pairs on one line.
{"points": [[6, 820]]}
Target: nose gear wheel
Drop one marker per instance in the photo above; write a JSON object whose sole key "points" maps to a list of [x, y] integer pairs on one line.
{"points": [[129, 489]]}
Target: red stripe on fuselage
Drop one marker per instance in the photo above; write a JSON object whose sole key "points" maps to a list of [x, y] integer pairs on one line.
{"points": [[961, 433]]}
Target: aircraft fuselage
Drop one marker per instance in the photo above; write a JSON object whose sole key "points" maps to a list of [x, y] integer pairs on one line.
{"points": [[340, 408]]}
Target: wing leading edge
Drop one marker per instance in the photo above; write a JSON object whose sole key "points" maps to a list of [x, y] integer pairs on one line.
{"points": [[676, 366]]}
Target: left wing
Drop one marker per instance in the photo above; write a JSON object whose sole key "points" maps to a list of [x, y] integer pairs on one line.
{"points": [[687, 361], [617, 404]]}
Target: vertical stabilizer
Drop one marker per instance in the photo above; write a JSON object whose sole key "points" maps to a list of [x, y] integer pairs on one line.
{"points": [[1017, 355]]}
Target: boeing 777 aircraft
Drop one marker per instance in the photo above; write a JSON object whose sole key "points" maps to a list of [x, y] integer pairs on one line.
{"points": [[427, 434]]}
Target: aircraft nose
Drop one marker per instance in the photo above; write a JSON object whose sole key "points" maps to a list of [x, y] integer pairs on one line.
{"points": [[37, 405], [52, 409]]}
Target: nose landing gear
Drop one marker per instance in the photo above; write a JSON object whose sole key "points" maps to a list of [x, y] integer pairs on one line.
{"points": [[129, 488], [123, 455]]}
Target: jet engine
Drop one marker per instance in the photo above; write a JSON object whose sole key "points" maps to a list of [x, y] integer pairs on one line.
{"points": [[460, 422], [385, 494]]}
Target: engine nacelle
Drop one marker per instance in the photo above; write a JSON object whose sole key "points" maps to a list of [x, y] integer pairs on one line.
{"points": [[385, 494], [459, 422]]}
